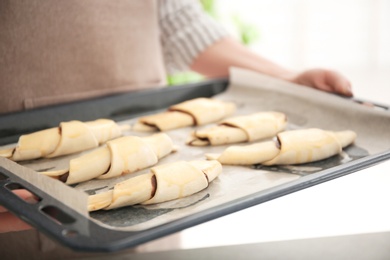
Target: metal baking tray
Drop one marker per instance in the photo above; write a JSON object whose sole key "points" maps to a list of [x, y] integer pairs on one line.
{"points": [[104, 232]]}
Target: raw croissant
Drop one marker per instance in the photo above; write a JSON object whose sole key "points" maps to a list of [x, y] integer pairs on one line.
{"points": [[163, 183], [290, 147], [197, 111], [123, 155], [238, 129], [70, 137]]}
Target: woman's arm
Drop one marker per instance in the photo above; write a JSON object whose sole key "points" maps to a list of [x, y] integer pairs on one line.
{"points": [[216, 60]]}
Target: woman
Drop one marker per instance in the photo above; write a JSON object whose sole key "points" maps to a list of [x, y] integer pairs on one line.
{"points": [[61, 51]]}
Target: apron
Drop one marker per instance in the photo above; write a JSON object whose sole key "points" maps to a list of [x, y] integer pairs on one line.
{"points": [[53, 52], [60, 51]]}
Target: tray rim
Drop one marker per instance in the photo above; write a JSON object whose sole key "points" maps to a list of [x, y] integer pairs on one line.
{"points": [[115, 240]]}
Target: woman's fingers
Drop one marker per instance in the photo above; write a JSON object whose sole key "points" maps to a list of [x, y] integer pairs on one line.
{"points": [[325, 80], [8, 221], [339, 84]]}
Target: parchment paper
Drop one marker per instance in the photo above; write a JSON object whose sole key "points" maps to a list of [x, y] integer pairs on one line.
{"points": [[252, 92]]}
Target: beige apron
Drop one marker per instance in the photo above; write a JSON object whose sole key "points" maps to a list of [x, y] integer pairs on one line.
{"points": [[60, 51]]}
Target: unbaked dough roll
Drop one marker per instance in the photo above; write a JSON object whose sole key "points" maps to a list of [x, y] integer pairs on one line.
{"points": [[163, 183], [120, 156], [199, 111], [70, 137], [290, 147], [238, 129]]}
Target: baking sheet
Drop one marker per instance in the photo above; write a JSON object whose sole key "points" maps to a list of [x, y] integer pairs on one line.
{"points": [[238, 187]]}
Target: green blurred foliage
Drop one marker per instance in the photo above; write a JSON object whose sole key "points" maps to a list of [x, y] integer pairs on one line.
{"points": [[209, 7], [248, 33], [183, 78]]}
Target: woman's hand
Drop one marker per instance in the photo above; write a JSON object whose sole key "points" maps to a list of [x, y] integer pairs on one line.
{"points": [[8, 221], [326, 80], [216, 60]]}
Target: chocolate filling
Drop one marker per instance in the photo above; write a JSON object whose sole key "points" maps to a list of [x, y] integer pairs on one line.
{"points": [[153, 180], [64, 177], [152, 125], [194, 122], [207, 177], [278, 143]]}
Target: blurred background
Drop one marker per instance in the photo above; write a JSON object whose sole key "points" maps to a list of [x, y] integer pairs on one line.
{"points": [[346, 34], [350, 36]]}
